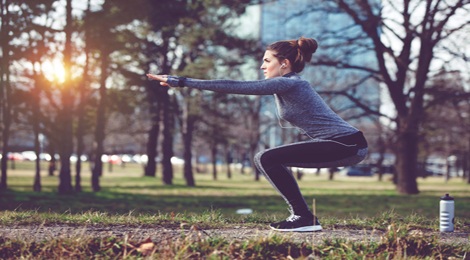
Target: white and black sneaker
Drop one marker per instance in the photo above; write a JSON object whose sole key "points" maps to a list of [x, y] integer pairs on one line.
{"points": [[296, 223]]}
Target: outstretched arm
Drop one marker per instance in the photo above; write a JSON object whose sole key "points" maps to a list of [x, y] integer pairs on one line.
{"points": [[259, 87]]}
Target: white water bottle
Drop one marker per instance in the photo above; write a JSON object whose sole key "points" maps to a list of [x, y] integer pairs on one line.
{"points": [[446, 214]]}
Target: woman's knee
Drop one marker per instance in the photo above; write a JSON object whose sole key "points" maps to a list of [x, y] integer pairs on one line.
{"points": [[257, 160], [266, 160], [262, 159]]}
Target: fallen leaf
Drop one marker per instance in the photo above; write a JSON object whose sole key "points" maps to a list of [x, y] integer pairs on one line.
{"points": [[147, 247]]}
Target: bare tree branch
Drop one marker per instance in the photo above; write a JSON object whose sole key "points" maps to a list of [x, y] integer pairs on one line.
{"points": [[339, 64], [439, 28], [356, 101], [444, 96]]}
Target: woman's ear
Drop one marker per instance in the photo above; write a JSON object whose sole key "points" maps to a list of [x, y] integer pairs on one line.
{"points": [[285, 63]]}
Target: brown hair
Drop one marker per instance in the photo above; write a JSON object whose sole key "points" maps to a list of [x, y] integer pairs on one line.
{"points": [[298, 52]]}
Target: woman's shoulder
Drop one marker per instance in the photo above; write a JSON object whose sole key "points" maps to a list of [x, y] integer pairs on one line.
{"points": [[293, 77]]}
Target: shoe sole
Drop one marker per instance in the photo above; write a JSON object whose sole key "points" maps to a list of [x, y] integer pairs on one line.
{"points": [[300, 229]]}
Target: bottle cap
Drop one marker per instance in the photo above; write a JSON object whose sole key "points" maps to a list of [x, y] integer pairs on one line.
{"points": [[447, 197]]}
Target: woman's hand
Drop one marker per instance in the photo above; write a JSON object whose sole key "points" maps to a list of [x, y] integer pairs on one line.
{"points": [[161, 78]]}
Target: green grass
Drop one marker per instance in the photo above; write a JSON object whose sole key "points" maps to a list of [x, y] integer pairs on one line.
{"points": [[215, 219], [129, 199], [125, 190], [396, 243]]}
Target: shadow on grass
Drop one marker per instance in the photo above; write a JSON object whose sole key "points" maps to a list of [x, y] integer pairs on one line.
{"points": [[123, 202], [130, 187]]}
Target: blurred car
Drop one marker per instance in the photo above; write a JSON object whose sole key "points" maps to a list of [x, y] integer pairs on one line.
{"points": [[176, 161], [73, 158], [114, 159], [29, 155], [15, 157], [358, 170], [126, 158]]}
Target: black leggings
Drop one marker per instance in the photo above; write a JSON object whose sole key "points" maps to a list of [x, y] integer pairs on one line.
{"points": [[337, 152]]}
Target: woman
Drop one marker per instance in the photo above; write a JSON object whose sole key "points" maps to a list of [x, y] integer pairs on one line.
{"points": [[332, 142]]}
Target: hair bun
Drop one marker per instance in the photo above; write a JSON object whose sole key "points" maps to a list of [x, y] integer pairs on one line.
{"points": [[307, 46], [298, 52]]}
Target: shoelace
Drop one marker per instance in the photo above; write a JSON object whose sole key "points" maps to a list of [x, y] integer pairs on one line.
{"points": [[292, 216]]}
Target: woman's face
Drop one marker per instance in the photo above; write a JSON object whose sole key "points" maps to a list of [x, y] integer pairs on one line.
{"points": [[271, 66]]}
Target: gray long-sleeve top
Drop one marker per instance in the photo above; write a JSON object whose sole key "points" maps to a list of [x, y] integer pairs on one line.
{"points": [[297, 102]]}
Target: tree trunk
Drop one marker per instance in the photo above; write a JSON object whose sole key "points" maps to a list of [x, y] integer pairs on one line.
{"points": [[380, 168], [254, 169], [151, 167], [37, 149], [214, 160], [65, 177], [255, 134], [66, 118], [406, 161], [380, 161], [78, 179], [242, 161], [187, 156], [447, 153], [52, 166], [5, 149], [167, 144], [228, 160], [3, 183], [299, 174], [98, 144], [468, 162], [332, 173], [5, 90], [37, 176], [81, 112], [447, 169], [465, 165], [81, 130], [187, 130]]}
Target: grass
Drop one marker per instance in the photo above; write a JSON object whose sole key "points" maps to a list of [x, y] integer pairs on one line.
{"points": [[215, 219], [396, 243], [129, 199], [125, 190]]}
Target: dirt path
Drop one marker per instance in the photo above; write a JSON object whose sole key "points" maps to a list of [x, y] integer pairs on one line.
{"points": [[160, 233]]}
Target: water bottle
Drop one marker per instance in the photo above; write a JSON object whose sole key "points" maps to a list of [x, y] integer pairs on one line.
{"points": [[446, 214]]}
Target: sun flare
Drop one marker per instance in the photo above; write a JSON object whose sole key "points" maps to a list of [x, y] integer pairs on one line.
{"points": [[54, 71]]}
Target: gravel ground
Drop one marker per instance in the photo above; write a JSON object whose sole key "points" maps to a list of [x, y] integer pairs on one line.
{"points": [[160, 233]]}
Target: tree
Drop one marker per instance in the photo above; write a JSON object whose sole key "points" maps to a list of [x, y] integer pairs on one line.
{"points": [[5, 91], [214, 129], [252, 123], [106, 40], [35, 120], [406, 38], [155, 107], [446, 125], [83, 91], [198, 29], [17, 20], [65, 115], [188, 121]]}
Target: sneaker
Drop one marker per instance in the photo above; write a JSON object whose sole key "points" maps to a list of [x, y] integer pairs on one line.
{"points": [[296, 223]]}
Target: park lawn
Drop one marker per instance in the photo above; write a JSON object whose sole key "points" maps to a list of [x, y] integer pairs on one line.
{"points": [[124, 190]]}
